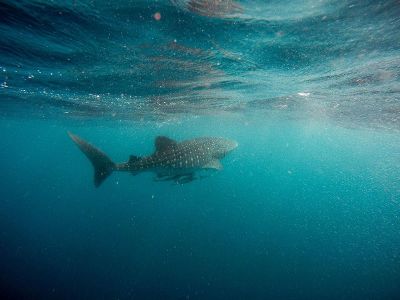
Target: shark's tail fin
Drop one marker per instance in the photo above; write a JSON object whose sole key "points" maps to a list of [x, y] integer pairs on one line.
{"points": [[102, 164]]}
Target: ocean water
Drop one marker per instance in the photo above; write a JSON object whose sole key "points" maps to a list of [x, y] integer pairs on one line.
{"points": [[307, 206]]}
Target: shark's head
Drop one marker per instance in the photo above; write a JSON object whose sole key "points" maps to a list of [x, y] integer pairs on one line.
{"points": [[223, 146]]}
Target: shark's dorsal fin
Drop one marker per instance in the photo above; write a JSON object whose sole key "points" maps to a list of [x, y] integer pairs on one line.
{"points": [[163, 143], [213, 164]]}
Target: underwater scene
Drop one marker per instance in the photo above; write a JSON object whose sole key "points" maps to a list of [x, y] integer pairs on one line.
{"points": [[200, 149]]}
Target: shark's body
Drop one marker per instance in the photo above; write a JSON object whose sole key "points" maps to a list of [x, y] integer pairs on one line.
{"points": [[171, 160]]}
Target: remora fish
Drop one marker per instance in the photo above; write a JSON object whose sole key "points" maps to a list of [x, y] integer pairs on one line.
{"points": [[172, 160]]}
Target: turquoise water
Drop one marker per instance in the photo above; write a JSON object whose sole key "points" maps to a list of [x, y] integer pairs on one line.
{"points": [[307, 206]]}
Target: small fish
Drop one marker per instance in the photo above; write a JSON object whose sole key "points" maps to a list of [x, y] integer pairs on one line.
{"points": [[172, 160]]}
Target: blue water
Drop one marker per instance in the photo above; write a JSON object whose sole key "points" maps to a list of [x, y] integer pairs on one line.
{"points": [[308, 205]]}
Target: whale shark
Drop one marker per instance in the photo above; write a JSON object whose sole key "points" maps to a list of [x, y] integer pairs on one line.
{"points": [[171, 160]]}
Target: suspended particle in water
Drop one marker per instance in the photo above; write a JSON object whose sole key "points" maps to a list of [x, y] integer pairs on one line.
{"points": [[157, 16], [303, 94]]}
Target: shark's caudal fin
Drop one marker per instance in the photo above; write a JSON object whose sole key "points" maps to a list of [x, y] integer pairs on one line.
{"points": [[102, 164]]}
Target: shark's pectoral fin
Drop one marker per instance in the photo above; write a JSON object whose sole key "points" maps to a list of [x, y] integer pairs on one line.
{"points": [[162, 177], [184, 178], [213, 164]]}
